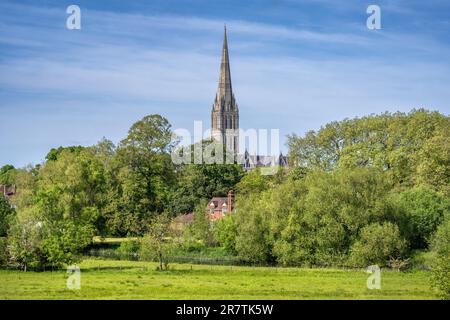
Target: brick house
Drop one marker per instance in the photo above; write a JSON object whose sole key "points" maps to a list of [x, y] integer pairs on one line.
{"points": [[218, 207], [8, 190]]}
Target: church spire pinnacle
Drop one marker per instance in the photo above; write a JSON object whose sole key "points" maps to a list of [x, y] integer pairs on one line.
{"points": [[225, 90]]}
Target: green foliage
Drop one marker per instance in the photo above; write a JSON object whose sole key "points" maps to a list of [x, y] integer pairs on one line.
{"points": [[253, 242], [128, 249], [377, 243], [60, 211], [441, 276], [7, 174], [54, 154], [157, 242], [64, 240], [336, 207], [142, 176], [3, 252], [355, 189], [225, 231], [5, 215], [434, 166], [200, 230], [253, 183], [313, 220], [24, 241], [440, 245], [400, 144], [197, 182], [440, 242], [425, 209]]}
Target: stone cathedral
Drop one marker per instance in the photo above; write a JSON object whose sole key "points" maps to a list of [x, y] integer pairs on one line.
{"points": [[225, 120], [225, 111]]}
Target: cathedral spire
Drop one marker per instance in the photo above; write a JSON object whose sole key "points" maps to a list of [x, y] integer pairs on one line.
{"points": [[225, 91], [225, 113]]}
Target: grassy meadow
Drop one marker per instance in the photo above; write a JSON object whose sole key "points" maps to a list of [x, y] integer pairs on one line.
{"points": [[111, 279]]}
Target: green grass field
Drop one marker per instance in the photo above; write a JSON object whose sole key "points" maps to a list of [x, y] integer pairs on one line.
{"points": [[109, 279]]}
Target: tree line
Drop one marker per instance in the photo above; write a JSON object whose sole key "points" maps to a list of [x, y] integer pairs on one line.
{"points": [[370, 190]]}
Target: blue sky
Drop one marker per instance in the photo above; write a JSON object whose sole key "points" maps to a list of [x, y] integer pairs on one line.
{"points": [[295, 65]]}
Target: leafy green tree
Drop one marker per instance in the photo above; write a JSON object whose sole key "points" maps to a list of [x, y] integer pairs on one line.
{"points": [[60, 212], [440, 241], [24, 241], [225, 231], [142, 176], [440, 246], [425, 209], [434, 163], [105, 150], [5, 215], [3, 252], [312, 220], [253, 240], [378, 242], [157, 242], [400, 144], [200, 230], [7, 174], [54, 153], [252, 183], [197, 182], [441, 276]]}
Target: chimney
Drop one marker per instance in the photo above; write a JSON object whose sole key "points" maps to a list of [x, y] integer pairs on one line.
{"points": [[230, 201]]}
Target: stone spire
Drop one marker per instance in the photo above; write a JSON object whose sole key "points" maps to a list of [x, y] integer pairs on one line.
{"points": [[225, 113], [225, 91]]}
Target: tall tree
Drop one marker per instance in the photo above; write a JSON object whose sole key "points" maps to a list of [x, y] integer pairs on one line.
{"points": [[143, 175]]}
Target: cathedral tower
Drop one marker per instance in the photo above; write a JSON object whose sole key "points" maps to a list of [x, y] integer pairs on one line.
{"points": [[225, 112]]}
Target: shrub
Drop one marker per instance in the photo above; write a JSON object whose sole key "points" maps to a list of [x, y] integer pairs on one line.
{"points": [[440, 242], [377, 244], [5, 214], [225, 231], [3, 253], [441, 267], [129, 249], [440, 278]]}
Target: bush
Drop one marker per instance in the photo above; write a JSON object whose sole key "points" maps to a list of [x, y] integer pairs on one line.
{"points": [[377, 244], [225, 231], [5, 213], [129, 249], [440, 242], [3, 253], [440, 278], [440, 246]]}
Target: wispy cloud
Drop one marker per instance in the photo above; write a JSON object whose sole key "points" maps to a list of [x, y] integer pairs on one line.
{"points": [[65, 87]]}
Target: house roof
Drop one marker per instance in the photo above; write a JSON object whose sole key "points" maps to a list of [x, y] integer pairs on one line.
{"points": [[218, 202]]}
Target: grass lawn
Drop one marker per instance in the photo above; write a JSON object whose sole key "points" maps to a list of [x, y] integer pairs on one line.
{"points": [[110, 279]]}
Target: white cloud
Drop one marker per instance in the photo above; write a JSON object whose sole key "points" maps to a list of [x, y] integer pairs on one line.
{"points": [[122, 66]]}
